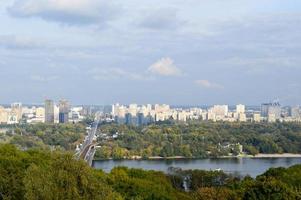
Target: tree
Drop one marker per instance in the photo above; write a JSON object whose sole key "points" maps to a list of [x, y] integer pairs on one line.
{"points": [[37, 174], [12, 166], [210, 193], [270, 189], [66, 178], [119, 153], [103, 153]]}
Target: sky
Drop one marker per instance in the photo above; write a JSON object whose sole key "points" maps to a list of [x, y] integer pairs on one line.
{"points": [[192, 52]]}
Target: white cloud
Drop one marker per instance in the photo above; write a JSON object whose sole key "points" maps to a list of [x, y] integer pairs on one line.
{"points": [[18, 42], [207, 84], [162, 19], [43, 78], [73, 12], [115, 74], [264, 62], [165, 67]]}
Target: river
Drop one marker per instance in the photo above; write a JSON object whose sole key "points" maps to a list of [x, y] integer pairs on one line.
{"points": [[241, 166]]}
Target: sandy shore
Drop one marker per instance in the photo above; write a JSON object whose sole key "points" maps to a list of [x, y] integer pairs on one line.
{"points": [[284, 155], [167, 158]]}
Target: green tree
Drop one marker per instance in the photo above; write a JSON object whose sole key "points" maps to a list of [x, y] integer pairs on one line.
{"points": [[270, 189], [103, 153], [65, 178], [219, 193]]}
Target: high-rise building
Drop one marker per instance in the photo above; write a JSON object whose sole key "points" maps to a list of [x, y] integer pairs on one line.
{"points": [[56, 113], [295, 112], [133, 109], [240, 113], [49, 111], [160, 117], [162, 108], [220, 111], [256, 117], [182, 116], [3, 115], [140, 119], [149, 107], [12, 119], [240, 109], [40, 112], [242, 117], [16, 110], [115, 109], [143, 109], [64, 108], [128, 119], [265, 109], [211, 116], [272, 110]]}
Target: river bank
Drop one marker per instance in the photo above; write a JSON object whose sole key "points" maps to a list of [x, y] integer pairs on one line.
{"points": [[284, 155]]}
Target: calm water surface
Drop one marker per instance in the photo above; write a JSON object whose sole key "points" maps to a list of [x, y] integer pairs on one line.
{"points": [[242, 166]]}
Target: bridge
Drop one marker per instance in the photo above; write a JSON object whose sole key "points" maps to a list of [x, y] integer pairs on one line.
{"points": [[88, 148]]}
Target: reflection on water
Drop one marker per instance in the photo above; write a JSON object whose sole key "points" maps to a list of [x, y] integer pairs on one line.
{"points": [[243, 166]]}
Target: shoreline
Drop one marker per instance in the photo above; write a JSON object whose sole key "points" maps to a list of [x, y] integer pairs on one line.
{"points": [[284, 155]]}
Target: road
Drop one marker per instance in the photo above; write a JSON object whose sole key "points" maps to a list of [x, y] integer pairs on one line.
{"points": [[88, 148]]}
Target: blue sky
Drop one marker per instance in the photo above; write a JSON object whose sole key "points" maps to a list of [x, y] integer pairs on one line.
{"points": [[192, 52]]}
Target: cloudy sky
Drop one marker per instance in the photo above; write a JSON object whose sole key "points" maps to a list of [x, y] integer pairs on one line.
{"points": [[179, 52]]}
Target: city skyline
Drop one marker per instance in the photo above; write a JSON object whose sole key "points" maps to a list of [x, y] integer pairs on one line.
{"points": [[134, 114], [174, 52]]}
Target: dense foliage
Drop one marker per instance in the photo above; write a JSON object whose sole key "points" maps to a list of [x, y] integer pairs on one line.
{"points": [[47, 175], [64, 136], [200, 139], [36, 175], [43, 175], [191, 140]]}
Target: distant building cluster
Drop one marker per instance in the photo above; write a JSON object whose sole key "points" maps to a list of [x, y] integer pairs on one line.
{"points": [[134, 114], [61, 112], [51, 112]]}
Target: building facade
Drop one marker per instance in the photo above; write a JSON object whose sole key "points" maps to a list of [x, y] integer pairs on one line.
{"points": [[49, 111], [64, 108]]}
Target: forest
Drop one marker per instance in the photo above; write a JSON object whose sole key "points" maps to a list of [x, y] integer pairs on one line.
{"points": [[42, 174], [165, 140], [43, 136], [199, 140]]}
